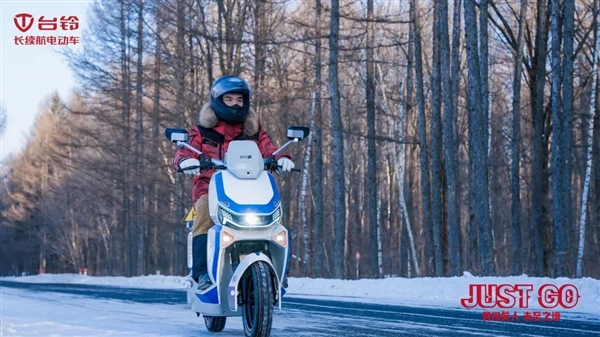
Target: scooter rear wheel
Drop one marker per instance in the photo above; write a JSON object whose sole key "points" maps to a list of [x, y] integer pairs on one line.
{"points": [[257, 297], [214, 323]]}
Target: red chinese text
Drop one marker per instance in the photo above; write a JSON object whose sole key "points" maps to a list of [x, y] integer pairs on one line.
{"points": [[46, 40], [535, 316]]}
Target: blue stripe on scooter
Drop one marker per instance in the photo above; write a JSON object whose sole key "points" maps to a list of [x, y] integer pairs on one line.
{"points": [[217, 229], [267, 208], [209, 297]]}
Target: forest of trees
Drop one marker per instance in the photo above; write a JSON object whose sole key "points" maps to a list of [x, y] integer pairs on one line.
{"points": [[446, 136]]}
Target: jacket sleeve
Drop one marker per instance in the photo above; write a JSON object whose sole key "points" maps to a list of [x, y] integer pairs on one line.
{"points": [[266, 146], [195, 140]]}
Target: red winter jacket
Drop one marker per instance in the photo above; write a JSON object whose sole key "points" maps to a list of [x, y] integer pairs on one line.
{"points": [[211, 149]]}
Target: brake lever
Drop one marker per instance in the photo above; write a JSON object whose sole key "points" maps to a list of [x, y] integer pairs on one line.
{"points": [[206, 163]]}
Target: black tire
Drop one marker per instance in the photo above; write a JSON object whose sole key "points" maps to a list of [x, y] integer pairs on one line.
{"points": [[215, 323], [257, 297]]}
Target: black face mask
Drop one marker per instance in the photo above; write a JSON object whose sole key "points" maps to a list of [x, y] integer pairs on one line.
{"points": [[231, 114]]}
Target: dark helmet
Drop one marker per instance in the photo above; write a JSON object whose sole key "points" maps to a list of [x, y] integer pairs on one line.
{"points": [[230, 84]]}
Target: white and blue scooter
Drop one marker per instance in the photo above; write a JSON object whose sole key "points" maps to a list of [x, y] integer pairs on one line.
{"points": [[248, 247]]}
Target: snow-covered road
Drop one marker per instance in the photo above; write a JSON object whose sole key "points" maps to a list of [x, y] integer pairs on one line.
{"points": [[46, 309]]}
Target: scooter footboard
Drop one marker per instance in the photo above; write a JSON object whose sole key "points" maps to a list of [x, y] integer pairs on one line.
{"points": [[232, 289]]}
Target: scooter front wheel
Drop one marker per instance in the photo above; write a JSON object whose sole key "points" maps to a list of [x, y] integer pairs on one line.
{"points": [[214, 323], [257, 298]]}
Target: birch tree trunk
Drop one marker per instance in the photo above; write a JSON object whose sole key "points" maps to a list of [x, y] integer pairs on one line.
{"points": [[304, 187], [339, 190], [408, 243], [516, 145], [596, 177], [403, 211], [589, 145]]}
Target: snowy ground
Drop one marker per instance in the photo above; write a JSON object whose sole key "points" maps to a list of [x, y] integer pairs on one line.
{"points": [[429, 292], [26, 313]]}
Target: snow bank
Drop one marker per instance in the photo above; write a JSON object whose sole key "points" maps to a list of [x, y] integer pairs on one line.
{"points": [[148, 281], [440, 292], [427, 291]]}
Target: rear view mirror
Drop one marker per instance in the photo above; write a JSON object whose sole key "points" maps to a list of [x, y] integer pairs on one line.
{"points": [[297, 133], [176, 135]]}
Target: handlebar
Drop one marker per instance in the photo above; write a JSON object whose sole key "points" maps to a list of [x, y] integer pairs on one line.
{"points": [[216, 164]]}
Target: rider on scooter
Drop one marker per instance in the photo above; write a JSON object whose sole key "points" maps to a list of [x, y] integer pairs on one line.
{"points": [[227, 117]]}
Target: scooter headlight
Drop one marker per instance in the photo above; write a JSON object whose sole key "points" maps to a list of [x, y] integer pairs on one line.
{"points": [[248, 219], [252, 219]]}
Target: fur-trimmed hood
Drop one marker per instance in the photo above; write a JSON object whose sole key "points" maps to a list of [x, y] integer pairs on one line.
{"points": [[208, 119]]}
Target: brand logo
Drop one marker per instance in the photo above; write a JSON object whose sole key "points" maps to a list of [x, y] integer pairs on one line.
{"points": [[511, 295], [507, 296], [25, 21]]}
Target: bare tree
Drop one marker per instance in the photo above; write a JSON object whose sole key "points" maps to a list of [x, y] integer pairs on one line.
{"points": [[129, 230], [538, 198], [406, 230], [589, 144], [477, 124], [315, 105], [371, 174], [229, 46], [318, 169], [436, 145], [455, 69], [567, 107], [515, 144], [450, 152], [425, 185], [139, 148], [180, 71], [339, 193], [557, 142]]}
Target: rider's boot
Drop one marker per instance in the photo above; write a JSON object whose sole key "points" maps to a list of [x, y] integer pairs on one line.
{"points": [[199, 272]]}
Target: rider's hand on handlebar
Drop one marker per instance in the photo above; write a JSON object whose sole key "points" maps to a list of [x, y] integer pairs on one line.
{"points": [[285, 165], [190, 166]]}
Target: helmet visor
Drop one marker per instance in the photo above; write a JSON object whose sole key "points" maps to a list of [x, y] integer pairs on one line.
{"points": [[230, 85]]}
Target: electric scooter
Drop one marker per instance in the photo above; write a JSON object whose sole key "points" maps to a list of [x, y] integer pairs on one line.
{"points": [[248, 246]]}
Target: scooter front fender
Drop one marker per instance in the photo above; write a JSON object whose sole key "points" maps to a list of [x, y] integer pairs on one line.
{"points": [[232, 289]]}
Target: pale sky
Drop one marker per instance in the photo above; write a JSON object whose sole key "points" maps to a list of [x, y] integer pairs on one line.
{"points": [[29, 73]]}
